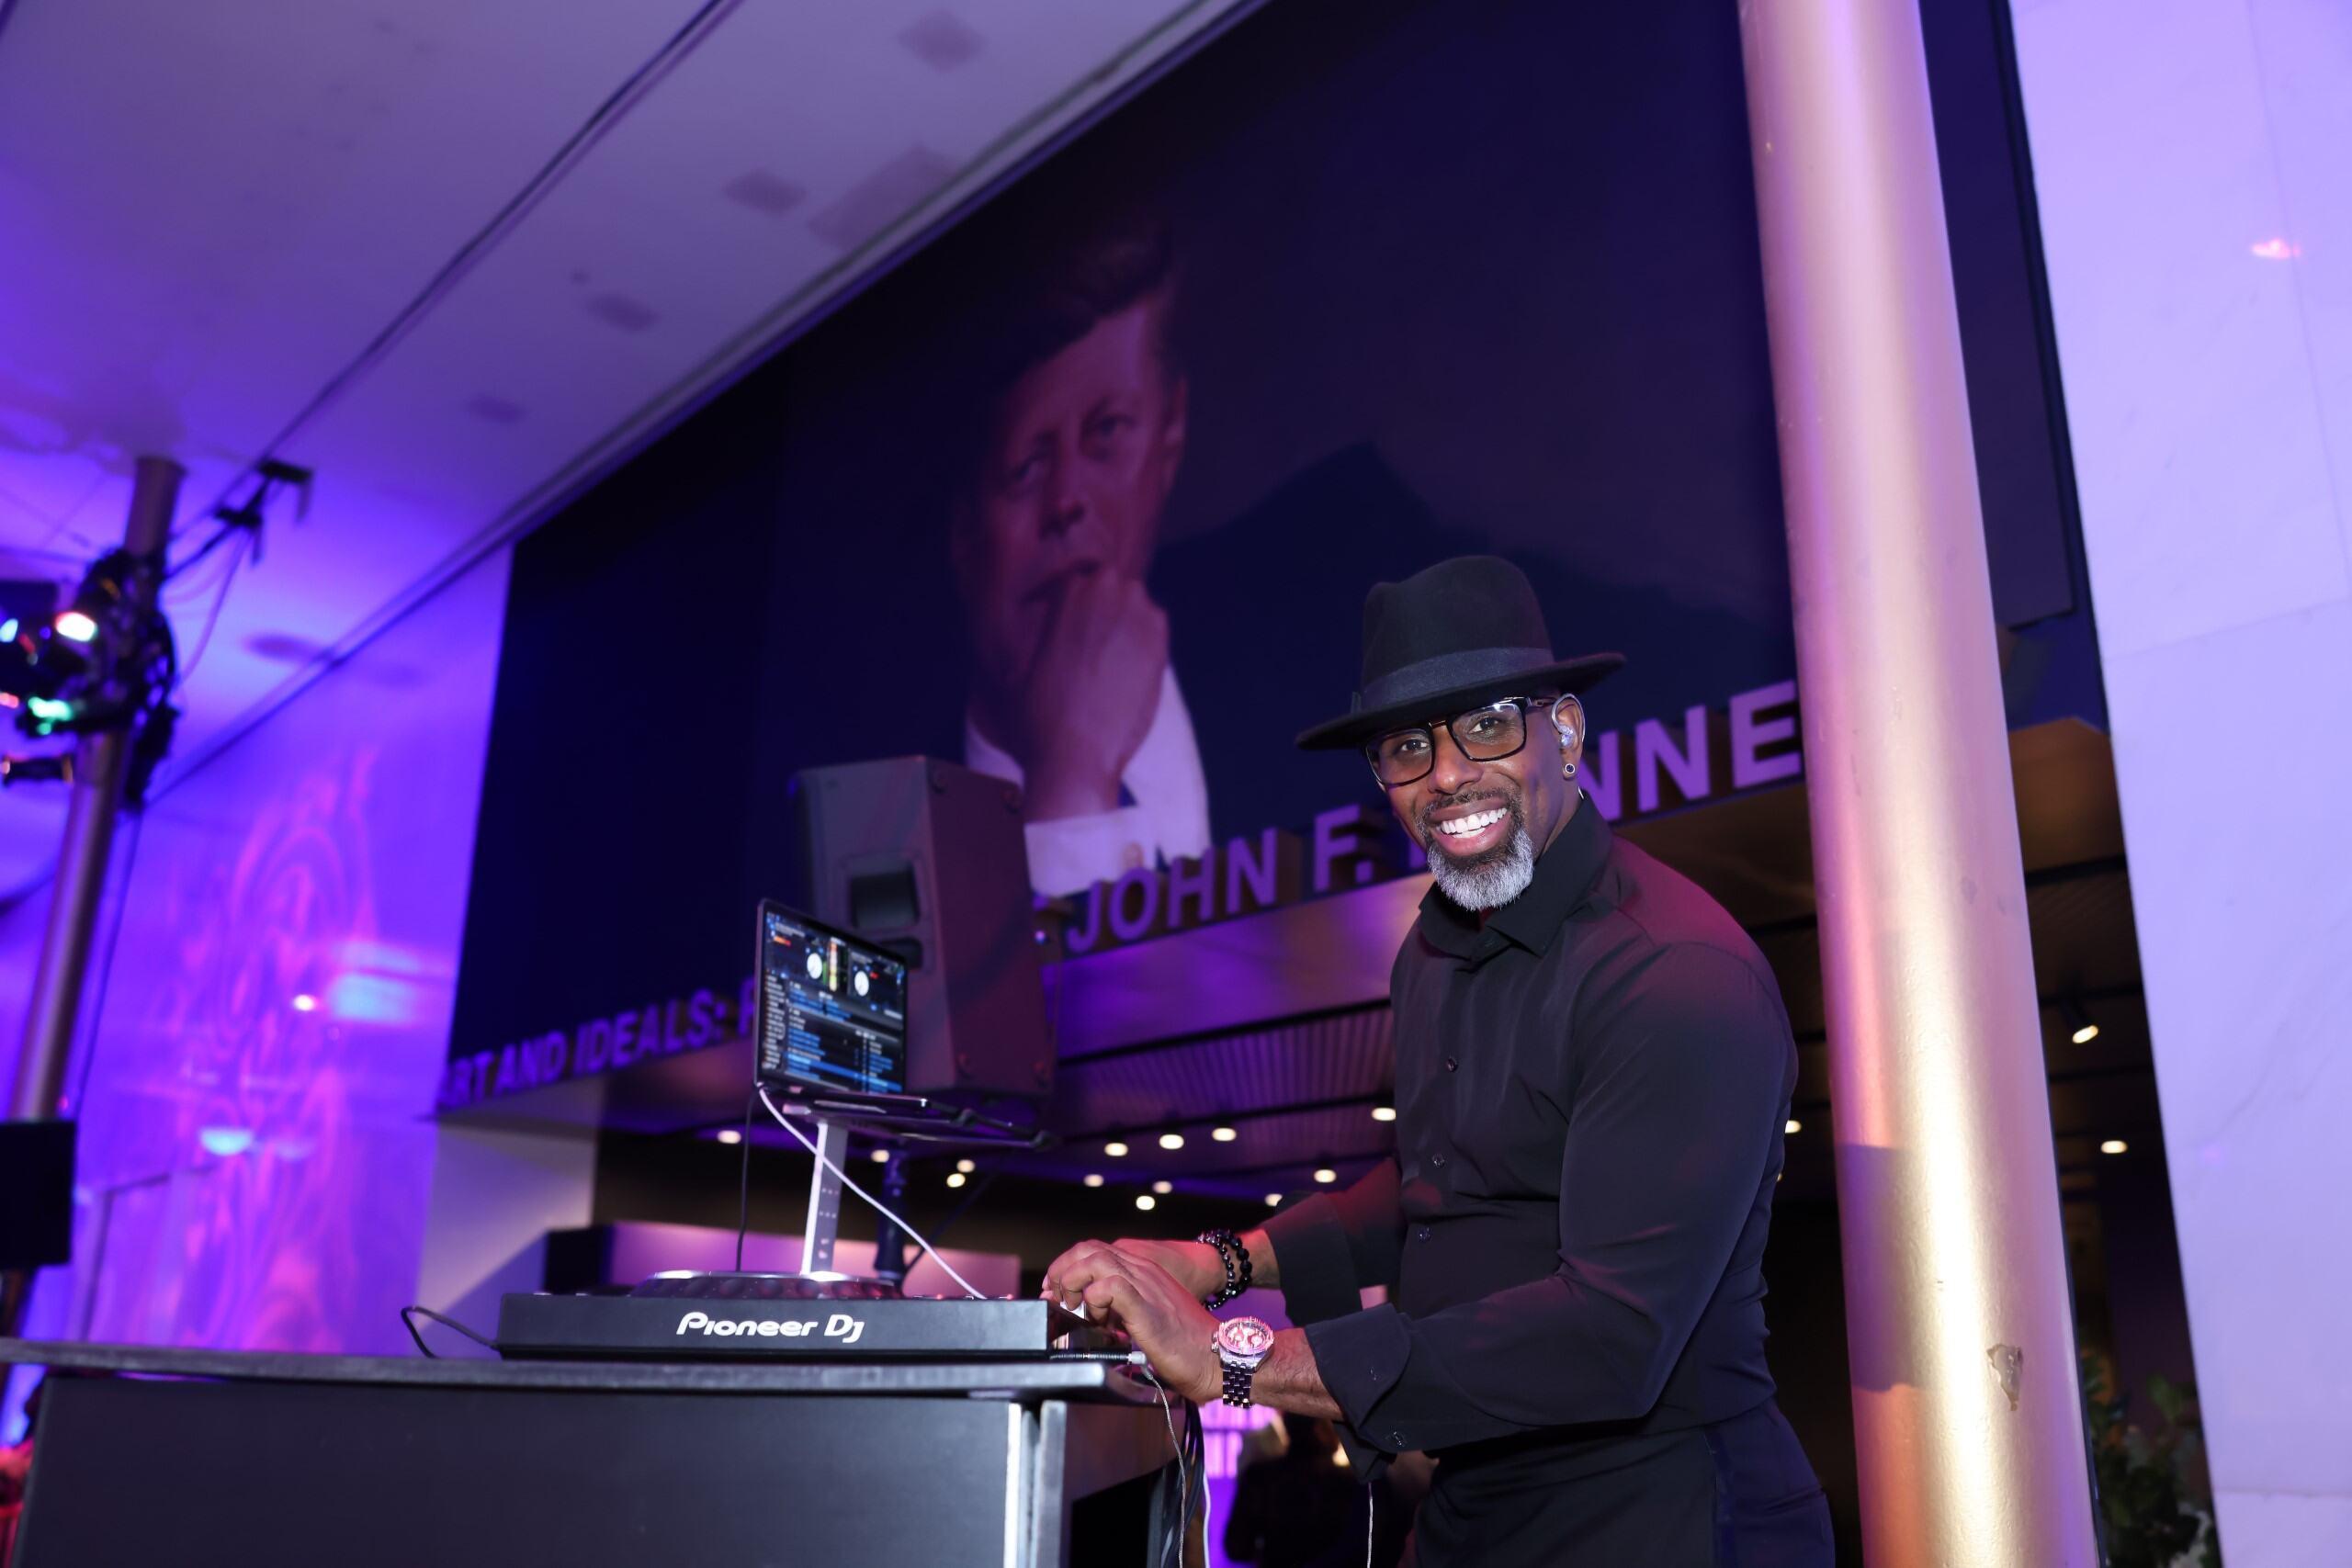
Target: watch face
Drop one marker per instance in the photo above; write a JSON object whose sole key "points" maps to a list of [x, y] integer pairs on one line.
{"points": [[1244, 1337]]}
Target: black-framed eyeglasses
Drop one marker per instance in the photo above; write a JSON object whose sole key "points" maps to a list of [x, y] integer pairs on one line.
{"points": [[1485, 734]]}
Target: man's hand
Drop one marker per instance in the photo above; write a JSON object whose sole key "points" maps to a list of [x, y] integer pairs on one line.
{"points": [[1083, 706], [1194, 1264], [1128, 1290]]}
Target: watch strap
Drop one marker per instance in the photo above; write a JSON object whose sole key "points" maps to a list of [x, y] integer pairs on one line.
{"points": [[1238, 1380]]}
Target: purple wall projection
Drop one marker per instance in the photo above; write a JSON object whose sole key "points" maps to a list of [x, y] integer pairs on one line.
{"points": [[255, 1159]]}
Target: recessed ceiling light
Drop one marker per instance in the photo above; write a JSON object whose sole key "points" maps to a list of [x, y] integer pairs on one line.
{"points": [[1115, 1149], [1171, 1140], [1793, 1127], [954, 1179], [1327, 1175], [730, 1135], [1273, 1200], [1223, 1134], [1164, 1187], [1146, 1202], [966, 1166], [1383, 1114], [881, 1156], [1093, 1178], [2085, 1035], [2113, 1146]]}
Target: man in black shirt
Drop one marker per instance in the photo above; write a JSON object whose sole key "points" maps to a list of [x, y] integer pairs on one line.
{"points": [[1593, 1068]]}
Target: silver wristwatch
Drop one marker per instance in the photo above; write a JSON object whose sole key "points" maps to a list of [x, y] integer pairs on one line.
{"points": [[1242, 1345]]}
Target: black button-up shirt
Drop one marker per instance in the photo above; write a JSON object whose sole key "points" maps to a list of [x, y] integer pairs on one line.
{"points": [[1590, 1089]]}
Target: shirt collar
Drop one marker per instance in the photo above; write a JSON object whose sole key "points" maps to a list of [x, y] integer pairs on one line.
{"points": [[1564, 876]]}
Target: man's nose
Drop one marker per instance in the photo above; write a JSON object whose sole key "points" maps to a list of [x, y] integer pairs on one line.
{"points": [[1065, 502], [1451, 773]]}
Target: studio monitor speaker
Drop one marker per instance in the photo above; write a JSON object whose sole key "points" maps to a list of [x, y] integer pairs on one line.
{"points": [[930, 859]]}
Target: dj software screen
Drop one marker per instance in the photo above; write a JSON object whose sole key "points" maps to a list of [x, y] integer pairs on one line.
{"points": [[833, 1012]]}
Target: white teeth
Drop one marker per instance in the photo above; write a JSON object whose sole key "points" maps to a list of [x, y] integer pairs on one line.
{"points": [[1478, 822]]}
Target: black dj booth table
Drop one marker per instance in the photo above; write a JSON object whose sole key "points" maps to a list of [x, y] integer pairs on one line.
{"points": [[150, 1455]]}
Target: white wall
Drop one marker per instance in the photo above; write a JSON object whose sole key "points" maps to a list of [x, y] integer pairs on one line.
{"points": [[255, 1157], [2194, 166]]}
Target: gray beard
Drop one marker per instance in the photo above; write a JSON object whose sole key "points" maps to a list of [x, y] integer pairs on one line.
{"points": [[1493, 879]]}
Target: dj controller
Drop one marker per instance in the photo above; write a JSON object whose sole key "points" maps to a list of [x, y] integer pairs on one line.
{"points": [[782, 1317]]}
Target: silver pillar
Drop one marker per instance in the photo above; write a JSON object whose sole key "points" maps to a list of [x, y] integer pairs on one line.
{"points": [[1968, 1419]]}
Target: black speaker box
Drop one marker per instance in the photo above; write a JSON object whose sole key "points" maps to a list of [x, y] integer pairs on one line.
{"points": [[929, 859]]}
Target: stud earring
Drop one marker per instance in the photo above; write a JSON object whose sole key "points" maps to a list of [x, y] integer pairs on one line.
{"points": [[1568, 770]]}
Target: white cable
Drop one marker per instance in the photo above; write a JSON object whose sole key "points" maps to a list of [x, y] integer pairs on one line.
{"points": [[1371, 1518], [1208, 1509], [1184, 1472], [873, 1203]]}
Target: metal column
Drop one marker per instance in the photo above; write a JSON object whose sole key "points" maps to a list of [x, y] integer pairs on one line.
{"points": [[99, 765], [1968, 1418]]}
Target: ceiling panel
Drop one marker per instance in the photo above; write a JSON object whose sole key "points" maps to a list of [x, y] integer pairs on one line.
{"points": [[211, 211]]}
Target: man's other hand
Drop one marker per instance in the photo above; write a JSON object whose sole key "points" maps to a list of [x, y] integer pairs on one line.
{"points": [[1192, 1264], [1127, 1290]]}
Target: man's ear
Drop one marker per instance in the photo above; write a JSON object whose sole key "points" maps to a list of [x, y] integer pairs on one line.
{"points": [[1568, 728], [1171, 430]]}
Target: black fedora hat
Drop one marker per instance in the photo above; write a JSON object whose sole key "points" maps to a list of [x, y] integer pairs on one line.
{"points": [[1462, 632]]}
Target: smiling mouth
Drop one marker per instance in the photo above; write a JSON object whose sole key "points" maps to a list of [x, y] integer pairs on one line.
{"points": [[1470, 827]]}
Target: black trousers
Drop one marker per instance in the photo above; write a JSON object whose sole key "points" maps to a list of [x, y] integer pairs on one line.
{"points": [[1736, 1495]]}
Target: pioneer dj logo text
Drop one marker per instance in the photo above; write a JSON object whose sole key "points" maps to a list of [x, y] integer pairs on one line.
{"points": [[843, 1326]]}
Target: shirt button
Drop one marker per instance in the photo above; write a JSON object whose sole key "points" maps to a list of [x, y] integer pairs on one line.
{"points": [[1449, 1063], [1437, 1160], [1422, 1234], [1399, 1438]]}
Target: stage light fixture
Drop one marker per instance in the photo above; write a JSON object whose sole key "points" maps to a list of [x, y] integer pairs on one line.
{"points": [[1223, 1134], [881, 1156], [305, 1002], [2079, 1027], [1093, 1178], [1146, 1202], [1171, 1141], [2114, 1146], [1273, 1200], [1164, 1187], [76, 625], [730, 1134], [1326, 1174], [1115, 1149], [10, 628], [954, 1179], [1793, 1127], [966, 1166], [1383, 1114]]}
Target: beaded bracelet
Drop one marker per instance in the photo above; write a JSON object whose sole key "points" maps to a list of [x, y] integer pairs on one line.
{"points": [[1238, 1268]]}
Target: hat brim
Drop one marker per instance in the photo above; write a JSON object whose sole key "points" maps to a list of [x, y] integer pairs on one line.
{"points": [[1575, 676]]}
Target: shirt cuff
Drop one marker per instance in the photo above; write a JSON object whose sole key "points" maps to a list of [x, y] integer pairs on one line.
{"points": [[1313, 1260], [1072, 853], [1360, 1359]]}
